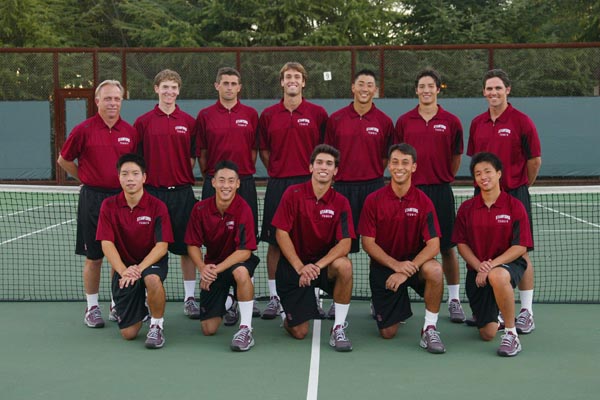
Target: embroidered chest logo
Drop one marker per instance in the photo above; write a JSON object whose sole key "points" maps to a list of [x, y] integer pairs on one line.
{"points": [[230, 225], [503, 219], [242, 123], [411, 212], [181, 129], [440, 128], [327, 213], [124, 140], [504, 132], [372, 130], [303, 121], [144, 220]]}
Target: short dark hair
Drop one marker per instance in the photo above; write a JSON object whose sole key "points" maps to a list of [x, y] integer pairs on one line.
{"points": [[227, 164], [228, 71], [366, 72], [134, 158], [496, 73], [485, 157], [403, 148], [327, 149], [437, 78]]}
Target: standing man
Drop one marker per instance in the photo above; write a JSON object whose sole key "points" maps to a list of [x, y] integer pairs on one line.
{"points": [[400, 233], [511, 135], [314, 232], [288, 133], [167, 144], [135, 231], [96, 143], [224, 224], [493, 234], [227, 131], [437, 136]]}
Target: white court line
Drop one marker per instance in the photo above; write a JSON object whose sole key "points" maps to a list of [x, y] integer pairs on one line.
{"points": [[24, 211], [567, 215], [36, 232], [315, 355], [568, 231]]}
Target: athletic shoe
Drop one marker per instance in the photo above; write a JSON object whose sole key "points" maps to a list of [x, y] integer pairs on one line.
{"points": [[255, 310], [321, 312], [471, 321], [242, 340], [331, 312], [525, 323], [112, 315], [272, 310], [510, 345], [93, 317], [232, 316], [191, 308], [338, 339], [155, 338], [455, 309], [430, 340], [373, 314]]}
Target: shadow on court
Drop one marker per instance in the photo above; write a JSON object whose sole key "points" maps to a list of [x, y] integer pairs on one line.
{"points": [[47, 353]]}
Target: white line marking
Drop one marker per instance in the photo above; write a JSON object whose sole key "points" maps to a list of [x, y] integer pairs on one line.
{"points": [[569, 231], [36, 232], [23, 211], [567, 215], [315, 355]]}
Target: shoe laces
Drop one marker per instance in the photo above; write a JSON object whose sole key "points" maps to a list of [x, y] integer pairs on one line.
{"points": [[508, 340], [242, 334], [433, 335], [273, 304], [454, 306], [190, 302], [154, 332], [523, 318], [340, 332], [94, 312]]}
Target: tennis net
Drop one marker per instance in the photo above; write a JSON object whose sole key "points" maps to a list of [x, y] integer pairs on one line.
{"points": [[38, 226]]}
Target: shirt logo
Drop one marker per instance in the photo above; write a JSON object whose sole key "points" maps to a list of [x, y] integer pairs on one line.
{"points": [[372, 130], [230, 225], [303, 121], [504, 132], [124, 140], [241, 123], [440, 127], [503, 219], [144, 220], [411, 212], [327, 213], [181, 129]]}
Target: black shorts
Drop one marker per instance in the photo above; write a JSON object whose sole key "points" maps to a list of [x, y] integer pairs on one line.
{"points": [[130, 302], [482, 300], [247, 191], [356, 193], [212, 302], [88, 212], [299, 303], [392, 307], [275, 189], [180, 201], [442, 198]]}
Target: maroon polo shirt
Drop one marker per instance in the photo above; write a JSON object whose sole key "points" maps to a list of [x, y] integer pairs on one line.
{"points": [[490, 232], [168, 145], [221, 234], [134, 231], [228, 135], [315, 226], [97, 149], [400, 226], [436, 142], [291, 137], [513, 138], [363, 142]]}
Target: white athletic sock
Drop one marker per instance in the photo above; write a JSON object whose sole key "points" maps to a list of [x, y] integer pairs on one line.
{"points": [[430, 319], [272, 288], [190, 289], [527, 300], [453, 291], [92, 300], [341, 312], [317, 294], [512, 330], [246, 313], [157, 321]]}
